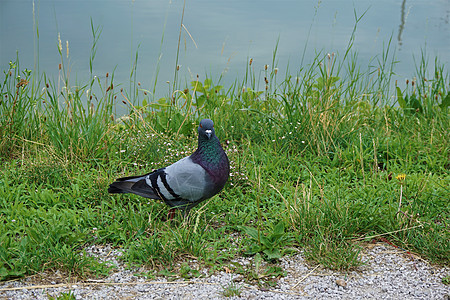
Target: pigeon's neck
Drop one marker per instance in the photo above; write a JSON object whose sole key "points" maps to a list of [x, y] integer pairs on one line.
{"points": [[212, 158], [209, 151]]}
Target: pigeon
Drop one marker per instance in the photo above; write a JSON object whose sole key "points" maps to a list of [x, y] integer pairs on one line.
{"points": [[188, 181]]}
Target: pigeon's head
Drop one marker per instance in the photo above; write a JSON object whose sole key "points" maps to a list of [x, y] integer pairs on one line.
{"points": [[206, 129]]}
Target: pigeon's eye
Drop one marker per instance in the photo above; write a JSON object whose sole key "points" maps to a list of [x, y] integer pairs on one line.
{"points": [[201, 126]]}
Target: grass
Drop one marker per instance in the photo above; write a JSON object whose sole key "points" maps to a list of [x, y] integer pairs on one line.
{"points": [[63, 296], [232, 289], [322, 161]]}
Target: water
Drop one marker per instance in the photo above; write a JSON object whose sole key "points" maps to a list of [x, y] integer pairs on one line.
{"points": [[219, 37]]}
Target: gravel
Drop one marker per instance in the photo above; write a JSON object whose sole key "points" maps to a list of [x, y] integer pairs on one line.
{"points": [[388, 274]]}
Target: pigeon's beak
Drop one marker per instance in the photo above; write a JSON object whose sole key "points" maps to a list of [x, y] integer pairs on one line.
{"points": [[208, 133]]}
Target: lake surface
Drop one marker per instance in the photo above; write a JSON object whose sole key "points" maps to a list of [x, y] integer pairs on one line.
{"points": [[219, 37]]}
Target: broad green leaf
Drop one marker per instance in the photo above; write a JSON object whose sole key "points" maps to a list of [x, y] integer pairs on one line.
{"points": [[252, 232], [319, 85], [279, 229], [198, 87], [253, 249], [207, 83], [415, 104], [333, 80], [445, 102], [400, 99], [200, 101], [272, 253], [218, 88]]}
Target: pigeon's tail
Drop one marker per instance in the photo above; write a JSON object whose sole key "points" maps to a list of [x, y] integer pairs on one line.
{"points": [[124, 185], [135, 185], [118, 187]]}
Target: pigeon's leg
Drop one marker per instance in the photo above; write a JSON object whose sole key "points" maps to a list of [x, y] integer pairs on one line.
{"points": [[171, 214]]}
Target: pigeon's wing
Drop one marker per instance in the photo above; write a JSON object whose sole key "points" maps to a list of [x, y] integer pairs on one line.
{"points": [[187, 179]]}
